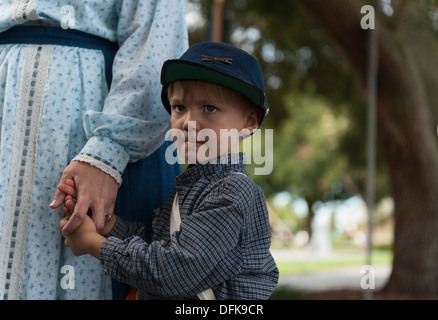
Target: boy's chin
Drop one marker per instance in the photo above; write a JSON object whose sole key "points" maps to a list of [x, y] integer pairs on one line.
{"points": [[201, 159]]}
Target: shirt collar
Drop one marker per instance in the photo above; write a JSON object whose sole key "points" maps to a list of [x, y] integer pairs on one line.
{"points": [[235, 162]]}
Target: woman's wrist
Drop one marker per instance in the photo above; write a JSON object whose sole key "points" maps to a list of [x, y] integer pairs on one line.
{"points": [[102, 165]]}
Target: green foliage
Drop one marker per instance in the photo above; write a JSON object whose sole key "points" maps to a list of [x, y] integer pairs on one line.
{"points": [[306, 156], [317, 112]]}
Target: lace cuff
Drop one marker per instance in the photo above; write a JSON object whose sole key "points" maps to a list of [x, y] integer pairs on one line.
{"points": [[101, 164]]}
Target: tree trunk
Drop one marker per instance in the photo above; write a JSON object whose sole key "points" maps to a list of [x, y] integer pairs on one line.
{"points": [[309, 218], [407, 114]]}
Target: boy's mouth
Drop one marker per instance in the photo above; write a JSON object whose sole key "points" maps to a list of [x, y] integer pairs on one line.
{"points": [[194, 144]]}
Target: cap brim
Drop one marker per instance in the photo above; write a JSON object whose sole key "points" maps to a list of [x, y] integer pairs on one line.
{"points": [[175, 70]]}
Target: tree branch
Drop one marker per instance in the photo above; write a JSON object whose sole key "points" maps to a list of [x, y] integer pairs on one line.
{"points": [[341, 20]]}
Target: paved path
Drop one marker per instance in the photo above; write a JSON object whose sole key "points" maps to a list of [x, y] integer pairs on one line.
{"points": [[345, 278]]}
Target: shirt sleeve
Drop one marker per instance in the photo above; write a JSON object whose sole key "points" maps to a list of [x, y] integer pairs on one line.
{"points": [[133, 121], [183, 265], [124, 229]]}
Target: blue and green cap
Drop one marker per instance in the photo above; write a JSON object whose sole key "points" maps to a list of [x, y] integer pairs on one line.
{"points": [[219, 63]]}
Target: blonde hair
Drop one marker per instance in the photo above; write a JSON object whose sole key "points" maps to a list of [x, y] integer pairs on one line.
{"points": [[214, 92]]}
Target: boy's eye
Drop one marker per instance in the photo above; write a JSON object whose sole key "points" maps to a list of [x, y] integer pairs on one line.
{"points": [[210, 108], [179, 108]]}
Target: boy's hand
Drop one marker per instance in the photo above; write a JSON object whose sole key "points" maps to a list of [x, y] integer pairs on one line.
{"points": [[85, 239], [69, 189], [69, 205]]}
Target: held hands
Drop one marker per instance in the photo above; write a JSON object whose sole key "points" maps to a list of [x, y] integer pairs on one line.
{"points": [[85, 239], [94, 190]]}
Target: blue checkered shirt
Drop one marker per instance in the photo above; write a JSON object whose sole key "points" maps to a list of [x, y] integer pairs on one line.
{"points": [[223, 242]]}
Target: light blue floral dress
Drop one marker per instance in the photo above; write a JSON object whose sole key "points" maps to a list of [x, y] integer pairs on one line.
{"points": [[55, 106]]}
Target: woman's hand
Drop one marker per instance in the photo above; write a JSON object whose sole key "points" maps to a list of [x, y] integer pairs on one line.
{"points": [[95, 191], [69, 188]]}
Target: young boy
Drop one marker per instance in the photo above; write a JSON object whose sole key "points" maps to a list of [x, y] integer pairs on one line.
{"points": [[211, 239]]}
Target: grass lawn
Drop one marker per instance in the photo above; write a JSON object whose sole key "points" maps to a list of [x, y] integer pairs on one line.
{"points": [[337, 261]]}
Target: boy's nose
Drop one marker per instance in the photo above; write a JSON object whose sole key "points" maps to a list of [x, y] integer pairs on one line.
{"points": [[191, 120]]}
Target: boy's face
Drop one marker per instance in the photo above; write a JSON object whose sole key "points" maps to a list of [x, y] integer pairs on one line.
{"points": [[206, 125]]}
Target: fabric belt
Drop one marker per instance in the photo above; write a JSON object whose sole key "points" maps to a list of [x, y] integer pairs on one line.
{"points": [[47, 35]]}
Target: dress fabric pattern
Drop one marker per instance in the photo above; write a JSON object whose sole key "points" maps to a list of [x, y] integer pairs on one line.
{"points": [[55, 104]]}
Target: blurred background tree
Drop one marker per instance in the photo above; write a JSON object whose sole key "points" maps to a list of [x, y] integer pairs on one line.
{"points": [[314, 57]]}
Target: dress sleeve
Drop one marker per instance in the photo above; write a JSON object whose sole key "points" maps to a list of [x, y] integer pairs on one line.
{"points": [[133, 121]]}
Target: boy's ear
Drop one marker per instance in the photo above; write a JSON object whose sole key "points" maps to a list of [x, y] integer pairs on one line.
{"points": [[252, 120]]}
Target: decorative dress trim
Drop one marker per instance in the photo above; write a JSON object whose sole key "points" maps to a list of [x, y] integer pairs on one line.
{"points": [[25, 11], [19, 193], [101, 164]]}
